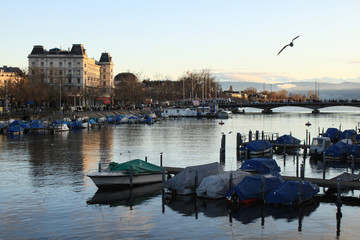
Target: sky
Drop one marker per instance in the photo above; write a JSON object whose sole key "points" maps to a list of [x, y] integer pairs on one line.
{"points": [[236, 40]]}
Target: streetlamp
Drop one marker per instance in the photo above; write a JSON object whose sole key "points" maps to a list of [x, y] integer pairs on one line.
{"points": [[6, 100]]}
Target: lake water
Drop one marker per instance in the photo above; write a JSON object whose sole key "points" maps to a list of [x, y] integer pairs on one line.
{"points": [[45, 193]]}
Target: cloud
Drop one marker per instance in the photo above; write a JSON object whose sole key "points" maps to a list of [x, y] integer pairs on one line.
{"points": [[286, 86], [258, 77]]}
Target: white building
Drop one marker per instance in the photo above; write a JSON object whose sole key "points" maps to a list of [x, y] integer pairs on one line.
{"points": [[82, 79]]}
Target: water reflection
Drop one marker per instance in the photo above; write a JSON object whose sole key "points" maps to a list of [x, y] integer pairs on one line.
{"points": [[126, 197]]}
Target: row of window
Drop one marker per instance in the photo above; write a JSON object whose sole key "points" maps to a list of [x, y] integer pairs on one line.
{"points": [[51, 64]]}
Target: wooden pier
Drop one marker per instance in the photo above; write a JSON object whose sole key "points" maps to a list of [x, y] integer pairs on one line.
{"points": [[329, 183]]}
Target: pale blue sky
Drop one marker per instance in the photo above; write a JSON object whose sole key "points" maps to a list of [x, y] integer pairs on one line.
{"points": [[236, 40]]}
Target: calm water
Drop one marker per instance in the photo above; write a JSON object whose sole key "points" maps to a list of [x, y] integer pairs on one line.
{"points": [[46, 195]]}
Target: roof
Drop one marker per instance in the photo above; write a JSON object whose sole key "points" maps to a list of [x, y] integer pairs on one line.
{"points": [[105, 57], [11, 69]]}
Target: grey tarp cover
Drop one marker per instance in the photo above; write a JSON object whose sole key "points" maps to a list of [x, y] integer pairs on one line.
{"points": [[186, 178], [216, 186]]}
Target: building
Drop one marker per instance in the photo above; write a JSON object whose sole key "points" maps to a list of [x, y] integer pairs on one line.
{"points": [[83, 80], [9, 74]]}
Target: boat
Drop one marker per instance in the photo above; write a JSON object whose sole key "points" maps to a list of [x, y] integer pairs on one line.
{"points": [[221, 122], [292, 193], [308, 124], [134, 172], [288, 143], [253, 188], [318, 147], [339, 150], [187, 181], [334, 134], [257, 147], [59, 126], [216, 186], [261, 166]]}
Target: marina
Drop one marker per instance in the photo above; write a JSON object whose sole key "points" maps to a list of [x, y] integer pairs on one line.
{"points": [[59, 195]]}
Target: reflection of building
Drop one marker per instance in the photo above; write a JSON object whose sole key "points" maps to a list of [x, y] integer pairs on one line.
{"points": [[78, 74], [9, 74]]}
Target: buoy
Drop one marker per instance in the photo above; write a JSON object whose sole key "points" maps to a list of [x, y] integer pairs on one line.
{"points": [[308, 124], [221, 123]]}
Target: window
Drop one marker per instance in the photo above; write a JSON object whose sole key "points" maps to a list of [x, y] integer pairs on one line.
{"points": [[78, 64], [42, 64], [33, 64], [69, 80], [69, 64], [104, 70], [78, 72], [104, 84], [104, 76], [60, 72], [60, 64], [78, 80], [69, 71], [51, 64]]}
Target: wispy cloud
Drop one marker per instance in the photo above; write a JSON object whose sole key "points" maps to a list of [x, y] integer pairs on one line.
{"points": [[259, 77], [286, 86]]}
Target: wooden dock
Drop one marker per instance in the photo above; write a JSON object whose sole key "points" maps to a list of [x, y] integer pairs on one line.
{"points": [[329, 183]]}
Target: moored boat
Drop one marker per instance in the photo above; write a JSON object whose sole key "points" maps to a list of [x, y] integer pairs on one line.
{"points": [[134, 172]]}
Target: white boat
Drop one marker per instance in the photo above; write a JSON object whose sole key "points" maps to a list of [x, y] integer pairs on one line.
{"points": [[60, 127], [134, 172], [318, 146]]}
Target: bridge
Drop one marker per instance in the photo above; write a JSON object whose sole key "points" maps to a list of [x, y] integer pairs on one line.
{"points": [[267, 107]]}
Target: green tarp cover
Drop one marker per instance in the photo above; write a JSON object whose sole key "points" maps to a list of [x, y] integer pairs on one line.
{"points": [[138, 166]]}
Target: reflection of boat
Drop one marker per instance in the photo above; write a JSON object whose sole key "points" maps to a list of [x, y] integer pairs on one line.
{"points": [[250, 214], [129, 196], [188, 206], [136, 172]]}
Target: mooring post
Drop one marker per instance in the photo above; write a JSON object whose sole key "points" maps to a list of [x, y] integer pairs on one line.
{"points": [[163, 176], [302, 171], [161, 160], [263, 188], [131, 176], [284, 149], [309, 138], [339, 202], [246, 154], [99, 167], [300, 191], [352, 164], [297, 164], [323, 164], [230, 181], [262, 135], [222, 149], [306, 136], [238, 141], [145, 159], [250, 136], [257, 135], [196, 179]]}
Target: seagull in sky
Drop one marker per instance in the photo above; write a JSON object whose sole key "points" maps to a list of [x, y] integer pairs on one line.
{"points": [[290, 44]]}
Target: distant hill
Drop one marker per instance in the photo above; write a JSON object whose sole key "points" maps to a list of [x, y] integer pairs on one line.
{"points": [[344, 90]]}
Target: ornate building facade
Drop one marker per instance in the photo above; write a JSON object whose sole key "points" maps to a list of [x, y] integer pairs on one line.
{"points": [[81, 79]]}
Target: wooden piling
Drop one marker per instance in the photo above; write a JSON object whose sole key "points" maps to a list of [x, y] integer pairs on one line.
{"points": [[338, 192], [145, 159], [222, 149], [257, 135], [250, 136], [131, 176], [161, 160], [99, 167]]}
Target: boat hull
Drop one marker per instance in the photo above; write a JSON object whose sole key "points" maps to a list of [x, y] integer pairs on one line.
{"points": [[116, 180]]}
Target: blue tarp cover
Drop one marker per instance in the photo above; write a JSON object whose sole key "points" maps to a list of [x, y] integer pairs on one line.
{"points": [[347, 133], [333, 133], [261, 166], [338, 149], [257, 145], [251, 187], [287, 139], [288, 192], [355, 150]]}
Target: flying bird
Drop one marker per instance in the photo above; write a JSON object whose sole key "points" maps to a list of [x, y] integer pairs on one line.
{"points": [[290, 44]]}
